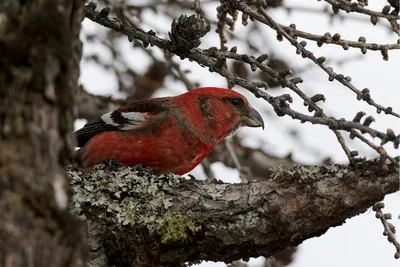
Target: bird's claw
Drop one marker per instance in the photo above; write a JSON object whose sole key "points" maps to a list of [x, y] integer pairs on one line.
{"points": [[112, 165], [141, 168]]}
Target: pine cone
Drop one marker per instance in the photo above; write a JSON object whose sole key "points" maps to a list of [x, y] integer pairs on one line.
{"points": [[186, 32]]}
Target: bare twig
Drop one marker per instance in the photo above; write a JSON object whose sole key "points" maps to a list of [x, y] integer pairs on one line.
{"points": [[390, 230], [357, 7], [263, 17]]}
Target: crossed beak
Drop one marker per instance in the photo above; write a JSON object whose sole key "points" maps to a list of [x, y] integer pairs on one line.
{"points": [[252, 118]]}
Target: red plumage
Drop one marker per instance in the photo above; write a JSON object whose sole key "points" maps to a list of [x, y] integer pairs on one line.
{"points": [[169, 134]]}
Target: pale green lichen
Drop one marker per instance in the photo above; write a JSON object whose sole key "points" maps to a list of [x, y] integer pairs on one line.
{"points": [[276, 170], [305, 172], [175, 228], [130, 197]]}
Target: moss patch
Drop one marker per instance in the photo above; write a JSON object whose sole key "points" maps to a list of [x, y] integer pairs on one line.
{"points": [[176, 228]]}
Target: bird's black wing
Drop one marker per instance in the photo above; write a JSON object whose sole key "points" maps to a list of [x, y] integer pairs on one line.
{"points": [[133, 116], [91, 129]]}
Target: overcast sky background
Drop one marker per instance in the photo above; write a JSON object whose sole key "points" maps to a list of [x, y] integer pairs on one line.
{"points": [[359, 242]]}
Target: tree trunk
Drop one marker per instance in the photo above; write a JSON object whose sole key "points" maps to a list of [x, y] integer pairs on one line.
{"points": [[39, 67]]}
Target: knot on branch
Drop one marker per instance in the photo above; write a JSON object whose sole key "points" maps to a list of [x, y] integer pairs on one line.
{"points": [[281, 104], [186, 32]]}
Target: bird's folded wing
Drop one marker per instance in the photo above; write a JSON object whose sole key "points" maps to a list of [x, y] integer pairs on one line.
{"points": [[133, 116]]}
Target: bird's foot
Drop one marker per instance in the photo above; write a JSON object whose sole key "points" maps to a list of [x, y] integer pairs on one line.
{"points": [[140, 168], [112, 165]]}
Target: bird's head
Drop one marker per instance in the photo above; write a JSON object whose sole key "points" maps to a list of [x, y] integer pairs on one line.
{"points": [[221, 111]]}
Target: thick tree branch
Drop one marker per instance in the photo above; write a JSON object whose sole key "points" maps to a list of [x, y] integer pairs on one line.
{"points": [[136, 219]]}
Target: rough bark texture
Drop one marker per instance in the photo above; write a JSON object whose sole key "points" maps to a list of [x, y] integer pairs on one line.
{"points": [[39, 68], [136, 219]]}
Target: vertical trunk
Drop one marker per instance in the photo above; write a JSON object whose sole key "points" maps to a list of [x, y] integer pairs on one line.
{"points": [[39, 67]]}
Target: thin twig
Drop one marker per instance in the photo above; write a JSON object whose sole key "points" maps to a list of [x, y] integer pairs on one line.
{"points": [[390, 230]]}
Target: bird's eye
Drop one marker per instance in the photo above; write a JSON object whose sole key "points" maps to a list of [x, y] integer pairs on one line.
{"points": [[236, 101]]}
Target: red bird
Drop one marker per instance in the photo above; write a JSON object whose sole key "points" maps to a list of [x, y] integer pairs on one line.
{"points": [[168, 134]]}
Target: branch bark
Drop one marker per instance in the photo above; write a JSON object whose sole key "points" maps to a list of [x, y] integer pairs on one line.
{"points": [[39, 68], [136, 219]]}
